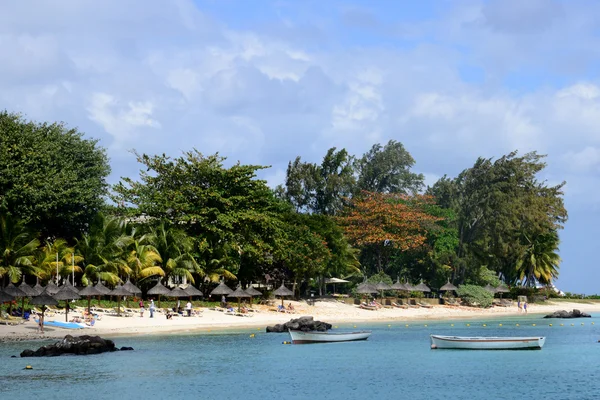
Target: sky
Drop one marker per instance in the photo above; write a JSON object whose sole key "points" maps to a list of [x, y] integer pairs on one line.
{"points": [[262, 82]]}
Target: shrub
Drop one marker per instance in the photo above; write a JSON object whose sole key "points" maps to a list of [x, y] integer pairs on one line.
{"points": [[475, 295]]}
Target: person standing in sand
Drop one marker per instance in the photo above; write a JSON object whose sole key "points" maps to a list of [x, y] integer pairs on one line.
{"points": [[525, 307], [188, 308], [141, 308], [151, 308]]}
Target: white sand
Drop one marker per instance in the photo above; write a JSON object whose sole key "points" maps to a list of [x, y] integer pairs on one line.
{"points": [[327, 311]]}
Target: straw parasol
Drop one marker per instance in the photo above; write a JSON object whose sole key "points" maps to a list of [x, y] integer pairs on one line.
{"points": [[66, 293], [221, 290], [398, 285], [192, 291], [29, 291], [43, 299], [252, 292], [239, 293], [119, 291], [381, 286], [101, 288], [421, 287], [15, 292], [178, 292], [51, 288], [39, 289], [448, 287], [131, 288], [4, 297], [158, 290], [283, 292], [70, 286], [490, 288], [89, 291], [502, 288]]}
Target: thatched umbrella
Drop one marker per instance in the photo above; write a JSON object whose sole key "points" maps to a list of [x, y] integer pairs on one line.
{"points": [[448, 287], [70, 286], [366, 288], [51, 288], [15, 292], [131, 288], [4, 297], [192, 291], [29, 291], [421, 287], [490, 288], [334, 281], [119, 291], [101, 288], [66, 293], [158, 290], [239, 293], [88, 292], [39, 289], [381, 286], [502, 288], [252, 292], [221, 290], [178, 293], [282, 291], [43, 299], [398, 285]]}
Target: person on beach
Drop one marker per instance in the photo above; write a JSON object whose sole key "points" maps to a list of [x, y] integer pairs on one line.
{"points": [[151, 308], [223, 301], [525, 307], [188, 308], [178, 308], [519, 305], [141, 308]]}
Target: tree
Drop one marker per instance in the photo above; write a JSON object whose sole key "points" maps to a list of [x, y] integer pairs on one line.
{"points": [[174, 248], [142, 257], [17, 247], [50, 176], [227, 210], [386, 222], [540, 260], [387, 170]]}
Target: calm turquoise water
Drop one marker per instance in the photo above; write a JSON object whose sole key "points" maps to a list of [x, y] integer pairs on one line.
{"points": [[395, 363]]}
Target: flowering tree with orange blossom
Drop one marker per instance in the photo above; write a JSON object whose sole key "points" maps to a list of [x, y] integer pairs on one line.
{"points": [[387, 221]]}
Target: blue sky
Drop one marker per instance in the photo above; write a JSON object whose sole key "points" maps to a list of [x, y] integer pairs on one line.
{"points": [[265, 81]]}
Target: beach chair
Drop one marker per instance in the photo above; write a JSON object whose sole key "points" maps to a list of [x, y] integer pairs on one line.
{"points": [[396, 305], [424, 305]]}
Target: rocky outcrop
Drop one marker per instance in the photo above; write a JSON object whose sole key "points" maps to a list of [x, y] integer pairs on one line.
{"points": [[566, 314], [305, 324], [79, 345]]}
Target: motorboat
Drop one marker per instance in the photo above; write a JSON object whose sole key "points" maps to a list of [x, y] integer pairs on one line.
{"points": [[301, 337], [487, 342]]}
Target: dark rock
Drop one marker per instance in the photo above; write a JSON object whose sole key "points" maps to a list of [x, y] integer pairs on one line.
{"points": [[566, 314], [125, 348], [305, 324], [70, 345]]}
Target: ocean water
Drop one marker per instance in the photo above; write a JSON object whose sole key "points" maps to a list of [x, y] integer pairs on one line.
{"points": [[395, 363]]}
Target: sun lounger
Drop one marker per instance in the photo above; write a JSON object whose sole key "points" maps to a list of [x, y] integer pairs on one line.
{"points": [[369, 307], [399, 305], [424, 305]]}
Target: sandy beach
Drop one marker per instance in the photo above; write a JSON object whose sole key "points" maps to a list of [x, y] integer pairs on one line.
{"points": [[327, 311]]}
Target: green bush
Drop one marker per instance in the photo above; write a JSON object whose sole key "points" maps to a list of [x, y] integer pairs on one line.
{"points": [[475, 296]]}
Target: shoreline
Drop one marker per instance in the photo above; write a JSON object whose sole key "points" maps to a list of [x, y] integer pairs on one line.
{"points": [[328, 311]]}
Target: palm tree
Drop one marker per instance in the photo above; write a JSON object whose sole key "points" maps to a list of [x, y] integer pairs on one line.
{"points": [[175, 249], [540, 260], [143, 258], [46, 259], [17, 248], [104, 250]]}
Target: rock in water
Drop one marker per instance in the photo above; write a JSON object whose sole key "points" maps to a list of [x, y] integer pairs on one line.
{"points": [[305, 324], [79, 345], [566, 314]]}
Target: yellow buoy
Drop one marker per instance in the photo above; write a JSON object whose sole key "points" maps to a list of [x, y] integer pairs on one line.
{"points": [[572, 324], [550, 325], [533, 324], [286, 342], [484, 325], [592, 323], [451, 324], [252, 335], [426, 325], [468, 324], [28, 367], [582, 323], [499, 324], [335, 327], [406, 326], [355, 326], [389, 325], [562, 324], [517, 324], [258, 329]]}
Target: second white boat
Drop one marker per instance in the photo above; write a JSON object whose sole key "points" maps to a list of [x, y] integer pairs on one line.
{"points": [[487, 343], [300, 337]]}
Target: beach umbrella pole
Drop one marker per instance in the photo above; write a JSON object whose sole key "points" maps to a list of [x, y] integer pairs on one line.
{"points": [[66, 310], [22, 307]]}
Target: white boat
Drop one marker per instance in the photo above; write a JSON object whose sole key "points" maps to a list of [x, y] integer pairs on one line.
{"points": [[300, 337], [487, 343]]}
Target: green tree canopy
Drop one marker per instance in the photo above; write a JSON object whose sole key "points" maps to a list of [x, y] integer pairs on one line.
{"points": [[50, 176]]}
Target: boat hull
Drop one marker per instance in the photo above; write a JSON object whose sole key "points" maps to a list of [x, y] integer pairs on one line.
{"points": [[487, 343], [299, 337]]}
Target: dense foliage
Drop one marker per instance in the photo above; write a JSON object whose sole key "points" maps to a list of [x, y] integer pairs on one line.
{"points": [[50, 176], [191, 219]]}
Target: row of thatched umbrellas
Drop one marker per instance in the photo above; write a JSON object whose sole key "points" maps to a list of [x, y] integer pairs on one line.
{"points": [[239, 293], [368, 288]]}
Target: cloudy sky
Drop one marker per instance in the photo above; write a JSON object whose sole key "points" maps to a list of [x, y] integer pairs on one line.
{"points": [[265, 81]]}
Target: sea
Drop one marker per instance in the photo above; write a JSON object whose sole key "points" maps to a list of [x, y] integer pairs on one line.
{"points": [[396, 362]]}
